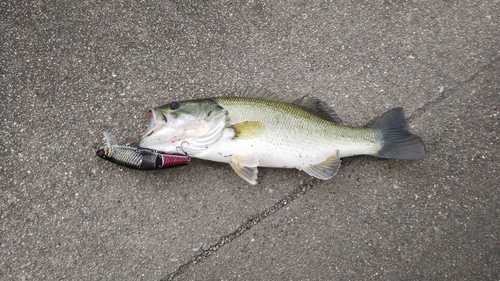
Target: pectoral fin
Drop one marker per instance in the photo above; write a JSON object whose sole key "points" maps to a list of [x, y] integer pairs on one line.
{"points": [[247, 130], [245, 167], [326, 169]]}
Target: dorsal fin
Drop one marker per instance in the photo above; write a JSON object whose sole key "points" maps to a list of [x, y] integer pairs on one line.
{"points": [[318, 108], [259, 93]]}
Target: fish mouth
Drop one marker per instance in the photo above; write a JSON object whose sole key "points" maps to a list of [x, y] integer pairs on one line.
{"points": [[153, 125], [150, 117], [158, 131]]}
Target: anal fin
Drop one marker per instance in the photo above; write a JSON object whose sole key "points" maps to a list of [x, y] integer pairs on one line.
{"points": [[245, 167], [326, 169]]}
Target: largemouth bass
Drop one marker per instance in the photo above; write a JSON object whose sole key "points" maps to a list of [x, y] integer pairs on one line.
{"points": [[256, 129], [138, 158]]}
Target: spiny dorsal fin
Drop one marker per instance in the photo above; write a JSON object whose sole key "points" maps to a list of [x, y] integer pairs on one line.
{"points": [[324, 170], [317, 107], [247, 130], [259, 93]]}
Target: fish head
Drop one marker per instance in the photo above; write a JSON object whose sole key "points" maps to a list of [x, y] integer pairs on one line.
{"points": [[193, 124]]}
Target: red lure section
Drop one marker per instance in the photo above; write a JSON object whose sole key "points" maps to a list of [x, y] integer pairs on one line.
{"points": [[168, 160]]}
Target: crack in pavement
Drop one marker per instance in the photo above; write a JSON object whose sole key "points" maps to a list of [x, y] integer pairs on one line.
{"points": [[445, 94], [243, 228]]}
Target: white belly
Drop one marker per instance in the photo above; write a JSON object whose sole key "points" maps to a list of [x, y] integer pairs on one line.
{"points": [[269, 152]]}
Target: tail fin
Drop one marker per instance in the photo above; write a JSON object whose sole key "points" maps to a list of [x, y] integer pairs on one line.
{"points": [[398, 143]]}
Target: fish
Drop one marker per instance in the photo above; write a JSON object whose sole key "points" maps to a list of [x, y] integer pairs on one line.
{"points": [[138, 158], [258, 129]]}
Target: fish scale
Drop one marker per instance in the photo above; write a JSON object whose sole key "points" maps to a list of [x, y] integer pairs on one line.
{"points": [[289, 126]]}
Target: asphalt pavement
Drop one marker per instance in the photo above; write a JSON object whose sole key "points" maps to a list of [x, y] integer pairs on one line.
{"points": [[73, 69]]}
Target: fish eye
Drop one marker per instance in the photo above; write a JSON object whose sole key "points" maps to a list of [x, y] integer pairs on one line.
{"points": [[174, 105]]}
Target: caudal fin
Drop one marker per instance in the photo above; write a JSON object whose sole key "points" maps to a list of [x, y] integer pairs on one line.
{"points": [[398, 143]]}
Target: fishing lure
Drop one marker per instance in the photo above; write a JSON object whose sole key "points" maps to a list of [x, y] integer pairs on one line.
{"points": [[138, 158]]}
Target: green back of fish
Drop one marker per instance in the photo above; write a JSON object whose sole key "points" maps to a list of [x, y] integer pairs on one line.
{"points": [[288, 119]]}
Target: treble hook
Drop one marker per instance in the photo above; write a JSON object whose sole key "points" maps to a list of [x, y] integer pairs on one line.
{"points": [[179, 148]]}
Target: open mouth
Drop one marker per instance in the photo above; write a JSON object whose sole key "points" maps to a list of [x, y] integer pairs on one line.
{"points": [[152, 117]]}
